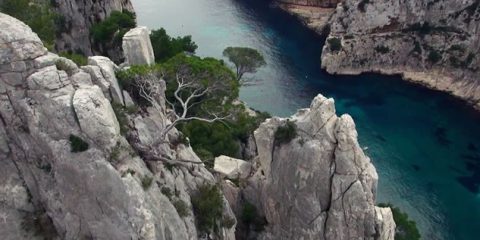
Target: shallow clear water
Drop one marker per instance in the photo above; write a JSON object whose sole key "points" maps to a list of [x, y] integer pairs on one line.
{"points": [[424, 144]]}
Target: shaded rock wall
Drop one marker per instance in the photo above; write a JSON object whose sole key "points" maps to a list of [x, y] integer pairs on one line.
{"points": [[435, 43], [77, 18]]}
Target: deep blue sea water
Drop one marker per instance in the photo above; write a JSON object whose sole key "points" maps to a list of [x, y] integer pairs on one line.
{"points": [[424, 144]]}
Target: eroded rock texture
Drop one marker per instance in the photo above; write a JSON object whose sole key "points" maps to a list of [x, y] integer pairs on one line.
{"points": [[77, 18], [320, 185], [432, 42], [53, 189], [313, 3]]}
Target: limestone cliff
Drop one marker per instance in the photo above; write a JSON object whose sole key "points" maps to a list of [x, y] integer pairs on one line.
{"points": [[313, 13], [77, 18], [320, 185], [431, 42], [66, 170]]}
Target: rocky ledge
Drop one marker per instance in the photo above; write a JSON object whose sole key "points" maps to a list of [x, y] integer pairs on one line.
{"points": [[430, 42]]}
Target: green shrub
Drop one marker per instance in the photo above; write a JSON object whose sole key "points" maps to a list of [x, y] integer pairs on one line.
{"points": [[382, 49], [182, 208], [205, 155], [146, 182], [166, 47], [406, 228], [120, 22], [434, 56], [38, 15], [77, 144], [78, 59], [335, 44], [228, 222], [208, 207], [285, 133], [167, 192]]}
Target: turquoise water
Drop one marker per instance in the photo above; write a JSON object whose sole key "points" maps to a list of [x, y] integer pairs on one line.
{"points": [[424, 144]]}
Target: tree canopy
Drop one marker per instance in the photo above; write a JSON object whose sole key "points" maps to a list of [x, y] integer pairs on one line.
{"points": [[116, 25], [166, 47], [246, 60]]}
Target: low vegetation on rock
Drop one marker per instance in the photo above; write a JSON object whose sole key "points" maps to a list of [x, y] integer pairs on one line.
{"points": [[406, 228], [77, 144], [79, 59], [208, 207], [285, 133], [335, 44]]}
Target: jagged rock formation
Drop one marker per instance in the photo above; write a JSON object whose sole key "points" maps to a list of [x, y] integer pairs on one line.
{"points": [[66, 170], [320, 185], [435, 43], [313, 13], [77, 18]]}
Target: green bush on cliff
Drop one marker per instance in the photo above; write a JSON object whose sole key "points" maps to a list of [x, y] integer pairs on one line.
{"points": [[113, 27], [434, 56], [208, 207], [38, 15], [406, 228], [335, 44], [166, 47], [79, 59], [285, 133], [77, 144]]}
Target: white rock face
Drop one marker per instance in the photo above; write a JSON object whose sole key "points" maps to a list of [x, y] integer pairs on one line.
{"points": [[320, 185], [429, 42], [95, 116], [232, 168], [137, 47], [108, 68], [385, 223]]}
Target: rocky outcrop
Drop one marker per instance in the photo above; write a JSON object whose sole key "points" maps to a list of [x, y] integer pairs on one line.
{"points": [[232, 168], [67, 172], [319, 185], [137, 47], [313, 13], [430, 42], [78, 16]]}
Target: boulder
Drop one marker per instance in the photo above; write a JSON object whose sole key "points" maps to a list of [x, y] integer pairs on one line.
{"points": [[232, 168], [137, 47], [95, 116], [108, 68]]}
